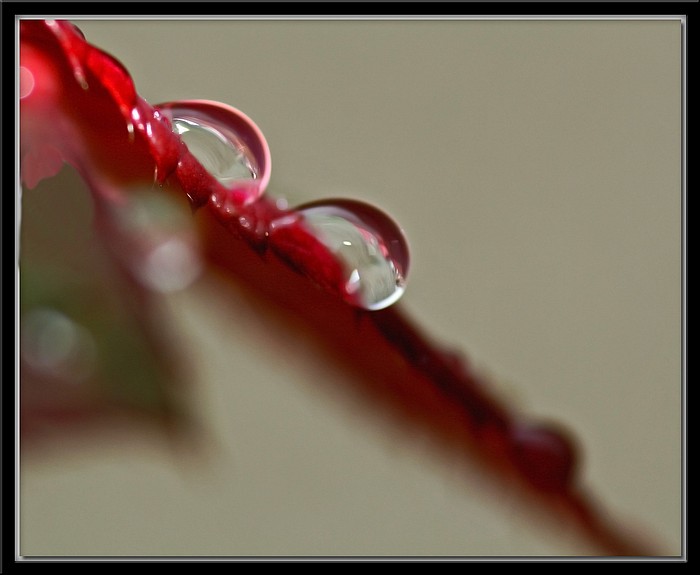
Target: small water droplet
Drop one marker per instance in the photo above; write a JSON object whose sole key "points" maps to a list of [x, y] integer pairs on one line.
{"points": [[56, 346], [225, 141], [546, 455], [158, 243], [26, 82], [370, 245]]}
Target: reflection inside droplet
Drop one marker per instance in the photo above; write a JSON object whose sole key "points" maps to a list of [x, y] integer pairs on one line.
{"points": [[56, 346], [220, 157], [371, 247]]}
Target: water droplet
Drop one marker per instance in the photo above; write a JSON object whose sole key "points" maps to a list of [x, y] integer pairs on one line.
{"points": [[56, 346], [546, 456], [157, 242], [370, 245], [171, 266], [225, 141], [26, 82]]}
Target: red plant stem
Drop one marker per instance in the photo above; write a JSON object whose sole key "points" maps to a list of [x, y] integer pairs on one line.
{"points": [[124, 140], [400, 369]]}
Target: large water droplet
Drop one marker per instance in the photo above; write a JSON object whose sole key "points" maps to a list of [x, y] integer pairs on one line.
{"points": [[370, 245], [225, 141]]}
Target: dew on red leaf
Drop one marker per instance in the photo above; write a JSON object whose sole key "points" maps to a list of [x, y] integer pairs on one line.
{"points": [[226, 142], [546, 456], [370, 245], [350, 249]]}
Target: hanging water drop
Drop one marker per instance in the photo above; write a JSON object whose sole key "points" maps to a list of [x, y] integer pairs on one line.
{"points": [[371, 247], [225, 141]]}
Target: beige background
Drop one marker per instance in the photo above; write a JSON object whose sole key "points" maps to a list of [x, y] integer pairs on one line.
{"points": [[536, 168]]}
